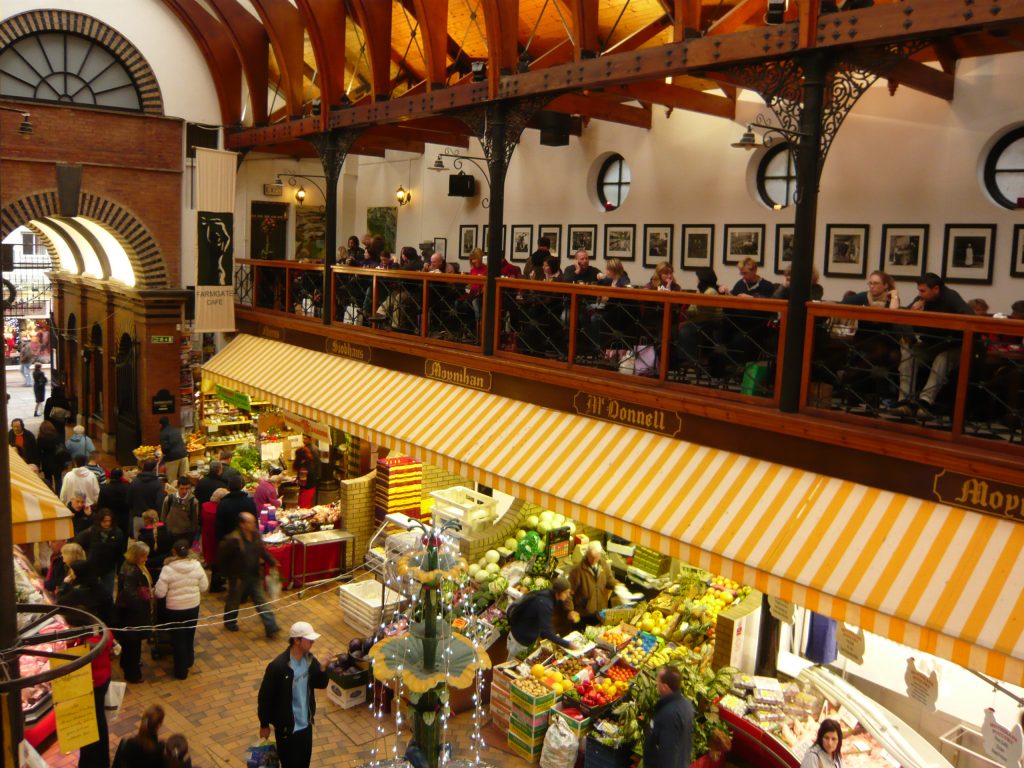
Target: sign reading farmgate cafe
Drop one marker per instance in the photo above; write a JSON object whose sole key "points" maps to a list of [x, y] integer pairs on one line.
{"points": [[457, 374], [630, 414], [988, 496]]}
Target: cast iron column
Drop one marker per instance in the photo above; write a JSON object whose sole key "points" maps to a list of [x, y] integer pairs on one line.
{"points": [[332, 146], [497, 163], [808, 163]]}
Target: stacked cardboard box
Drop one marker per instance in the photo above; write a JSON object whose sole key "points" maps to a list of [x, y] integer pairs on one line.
{"points": [[399, 487], [501, 695], [528, 723], [649, 561]]}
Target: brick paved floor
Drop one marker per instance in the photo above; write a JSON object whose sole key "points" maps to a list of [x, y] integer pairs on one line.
{"points": [[216, 706]]}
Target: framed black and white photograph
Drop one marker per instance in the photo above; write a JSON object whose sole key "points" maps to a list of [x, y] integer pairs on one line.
{"points": [[467, 240], [657, 244], [620, 242], [441, 246], [1017, 260], [552, 232], [904, 250], [785, 237], [485, 243], [698, 245], [581, 237], [967, 253], [743, 241], [522, 242], [846, 250]]}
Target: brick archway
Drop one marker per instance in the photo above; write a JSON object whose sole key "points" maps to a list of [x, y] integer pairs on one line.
{"points": [[54, 20], [142, 249]]}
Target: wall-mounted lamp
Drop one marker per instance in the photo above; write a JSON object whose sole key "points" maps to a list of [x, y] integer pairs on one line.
{"points": [[300, 195], [292, 179], [773, 134], [403, 196], [457, 159], [25, 129]]}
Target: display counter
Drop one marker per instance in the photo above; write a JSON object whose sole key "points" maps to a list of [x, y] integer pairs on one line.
{"points": [[774, 724]]}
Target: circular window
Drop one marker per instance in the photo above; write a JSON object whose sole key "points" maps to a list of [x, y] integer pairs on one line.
{"points": [[776, 177], [613, 182], [1004, 169]]}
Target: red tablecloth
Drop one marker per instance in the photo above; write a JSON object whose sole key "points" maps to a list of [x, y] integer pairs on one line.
{"points": [[283, 554], [320, 559]]}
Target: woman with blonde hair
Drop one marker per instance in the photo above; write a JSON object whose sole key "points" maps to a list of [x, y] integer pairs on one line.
{"points": [[663, 279], [61, 565], [134, 608], [614, 274]]}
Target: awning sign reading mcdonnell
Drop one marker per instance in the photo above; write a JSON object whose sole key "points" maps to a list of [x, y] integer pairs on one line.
{"points": [[932, 576]]}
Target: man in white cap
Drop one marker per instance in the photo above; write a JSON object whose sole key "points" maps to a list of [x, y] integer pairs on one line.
{"points": [[286, 699]]}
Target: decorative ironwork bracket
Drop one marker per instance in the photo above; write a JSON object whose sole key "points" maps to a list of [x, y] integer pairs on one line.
{"points": [[333, 147]]}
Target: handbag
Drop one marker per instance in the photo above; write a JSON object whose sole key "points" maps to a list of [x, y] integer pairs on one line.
{"points": [[57, 412]]}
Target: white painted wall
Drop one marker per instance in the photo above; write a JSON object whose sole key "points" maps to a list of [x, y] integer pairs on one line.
{"points": [[903, 159]]}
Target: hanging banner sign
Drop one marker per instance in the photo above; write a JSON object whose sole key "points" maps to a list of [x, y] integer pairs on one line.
{"points": [[1002, 744], [215, 250], [316, 430], [851, 644], [922, 688], [783, 610]]}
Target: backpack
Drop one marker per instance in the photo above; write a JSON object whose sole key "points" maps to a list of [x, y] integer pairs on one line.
{"points": [[179, 519]]}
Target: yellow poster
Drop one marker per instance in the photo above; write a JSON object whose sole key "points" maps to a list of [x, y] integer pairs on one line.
{"points": [[74, 705]]}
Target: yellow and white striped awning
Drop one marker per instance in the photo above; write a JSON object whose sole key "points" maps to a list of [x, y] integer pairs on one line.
{"points": [[937, 578], [36, 513]]}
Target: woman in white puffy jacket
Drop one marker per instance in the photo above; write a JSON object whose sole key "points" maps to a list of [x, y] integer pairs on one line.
{"points": [[182, 582]]}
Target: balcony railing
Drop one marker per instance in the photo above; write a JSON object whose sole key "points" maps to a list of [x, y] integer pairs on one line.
{"points": [[948, 377]]}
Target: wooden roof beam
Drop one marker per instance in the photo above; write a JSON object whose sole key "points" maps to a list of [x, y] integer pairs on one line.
{"points": [[921, 77], [641, 36], [325, 22], [743, 14], [501, 20], [560, 53], [600, 109], [407, 133], [368, 141], [214, 43], [251, 45], [432, 16], [283, 25], [946, 54], [681, 98], [438, 124], [375, 21], [584, 27]]}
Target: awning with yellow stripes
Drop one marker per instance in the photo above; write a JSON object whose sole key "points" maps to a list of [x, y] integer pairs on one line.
{"points": [[36, 513], [937, 578]]}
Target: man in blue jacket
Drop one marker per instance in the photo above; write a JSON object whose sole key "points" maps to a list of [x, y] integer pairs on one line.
{"points": [[286, 698], [531, 617], [669, 741]]}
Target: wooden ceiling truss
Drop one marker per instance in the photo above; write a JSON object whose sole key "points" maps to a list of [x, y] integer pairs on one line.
{"points": [[597, 59]]}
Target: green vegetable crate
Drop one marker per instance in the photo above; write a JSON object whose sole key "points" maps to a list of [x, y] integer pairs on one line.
{"points": [[532, 705]]}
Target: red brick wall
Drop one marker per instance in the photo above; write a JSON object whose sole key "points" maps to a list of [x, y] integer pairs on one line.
{"points": [[132, 160]]}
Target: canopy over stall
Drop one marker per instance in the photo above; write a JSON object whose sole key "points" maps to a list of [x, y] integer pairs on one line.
{"points": [[944, 580], [36, 513]]}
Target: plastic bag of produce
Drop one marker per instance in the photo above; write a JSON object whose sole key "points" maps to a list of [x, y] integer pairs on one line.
{"points": [[263, 754], [274, 584], [561, 746]]}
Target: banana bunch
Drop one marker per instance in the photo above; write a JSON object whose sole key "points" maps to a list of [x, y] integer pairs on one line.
{"points": [[658, 658]]}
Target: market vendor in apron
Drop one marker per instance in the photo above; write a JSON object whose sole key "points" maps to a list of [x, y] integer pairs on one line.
{"points": [[592, 584], [307, 472]]}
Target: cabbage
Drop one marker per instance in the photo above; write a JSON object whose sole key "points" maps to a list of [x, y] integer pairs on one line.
{"points": [[510, 544], [492, 556], [531, 521], [543, 527], [519, 535], [498, 585], [558, 521], [482, 577], [547, 514], [493, 568], [473, 569]]}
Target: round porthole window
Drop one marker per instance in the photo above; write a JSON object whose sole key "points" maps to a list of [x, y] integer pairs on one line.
{"points": [[776, 177], [1004, 169], [613, 182]]}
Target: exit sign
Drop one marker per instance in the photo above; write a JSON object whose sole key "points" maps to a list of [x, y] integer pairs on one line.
{"points": [[161, 339]]}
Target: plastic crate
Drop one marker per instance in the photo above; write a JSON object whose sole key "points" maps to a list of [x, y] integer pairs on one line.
{"points": [[597, 755], [361, 606]]}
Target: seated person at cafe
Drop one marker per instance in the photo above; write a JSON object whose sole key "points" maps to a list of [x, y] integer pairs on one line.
{"points": [[535, 264], [937, 348], [581, 271], [614, 275], [663, 279], [782, 289], [743, 335], [750, 283]]}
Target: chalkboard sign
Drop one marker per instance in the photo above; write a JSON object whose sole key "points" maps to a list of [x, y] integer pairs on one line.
{"points": [[559, 543], [163, 402]]}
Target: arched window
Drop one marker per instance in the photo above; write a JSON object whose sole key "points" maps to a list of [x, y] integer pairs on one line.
{"points": [[776, 177], [1004, 169], [613, 182]]}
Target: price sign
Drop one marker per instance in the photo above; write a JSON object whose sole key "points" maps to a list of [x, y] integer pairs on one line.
{"points": [[74, 705], [1002, 744], [851, 644], [783, 610], [922, 688], [558, 543]]}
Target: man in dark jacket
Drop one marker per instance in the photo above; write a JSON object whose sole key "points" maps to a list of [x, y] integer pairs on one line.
{"points": [[209, 483], [532, 616], [936, 348], [669, 741], [172, 448], [230, 508], [287, 700], [114, 496], [145, 492], [241, 557]]}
